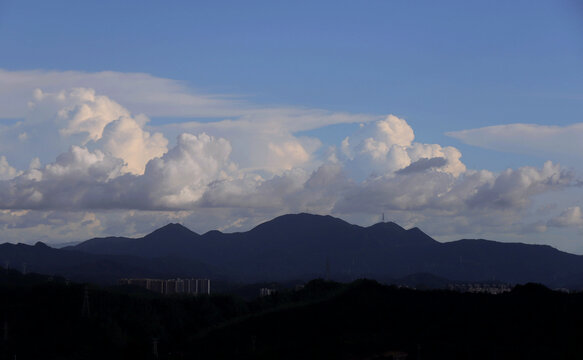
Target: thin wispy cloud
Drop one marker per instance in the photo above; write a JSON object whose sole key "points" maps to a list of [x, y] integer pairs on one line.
{"points": [[532, 139]]}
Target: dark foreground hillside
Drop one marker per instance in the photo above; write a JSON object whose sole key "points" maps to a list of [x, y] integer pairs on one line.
{"points": [[44, 318]]}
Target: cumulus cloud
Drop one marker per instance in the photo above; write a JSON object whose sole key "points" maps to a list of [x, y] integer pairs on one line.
{"points": [[288, 154], [478, 191], [572, 216], [102, 123], [292, 191], [84, 179], [269, 147], [242, 170], [83, 117], [388, 146], [63, 184], [126, 139], [515, 188], [181, 176], [203, 171], [7, 172], [82, 111]]}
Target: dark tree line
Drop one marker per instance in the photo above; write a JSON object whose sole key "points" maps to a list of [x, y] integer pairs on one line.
{"points": [[45, 318]]}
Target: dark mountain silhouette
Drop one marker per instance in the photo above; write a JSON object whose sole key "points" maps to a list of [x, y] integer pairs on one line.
{"points": [[107, 269], [169, 240], [290, 246], [304, 246]]}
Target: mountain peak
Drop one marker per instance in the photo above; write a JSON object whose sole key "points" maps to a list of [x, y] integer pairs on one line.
{"points": [[297, 246], [40, 244], [389, 225], [174, 226], [172, 229], [303, 220]]}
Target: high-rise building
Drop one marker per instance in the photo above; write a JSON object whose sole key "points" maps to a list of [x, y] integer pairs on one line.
{"points": [[172, 286], [179, 286], [157, 285], [203, 286]]}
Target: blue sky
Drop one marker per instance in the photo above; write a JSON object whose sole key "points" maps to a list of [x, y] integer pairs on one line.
{"points": [[443, 67]]}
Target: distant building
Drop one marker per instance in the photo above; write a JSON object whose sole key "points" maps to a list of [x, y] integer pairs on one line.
{"points": [[266, 292], [203, 286], [157, 285], [485, 288], [394, 355], [172, 286]]}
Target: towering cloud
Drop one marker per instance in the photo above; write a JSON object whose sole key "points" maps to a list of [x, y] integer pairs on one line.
{"points": [[244, 170], [101, 122], [180, 177], [386, 146]]}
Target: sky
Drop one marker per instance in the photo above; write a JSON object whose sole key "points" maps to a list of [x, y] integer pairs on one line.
{"points": [[463, 118]]}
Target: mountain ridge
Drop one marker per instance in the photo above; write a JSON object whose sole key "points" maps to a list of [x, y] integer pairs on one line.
{"points": [[303, 246]]}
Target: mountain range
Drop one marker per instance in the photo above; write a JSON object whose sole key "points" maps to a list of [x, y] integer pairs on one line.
{"points": [[301, 246]]}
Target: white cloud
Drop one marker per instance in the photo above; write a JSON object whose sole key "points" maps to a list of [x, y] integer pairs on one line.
{"points": [[387, 145], [104, 123], [180, 177], [141, 93], [7, 172], [531, 139], [203, 171], [270, 147], [247, 167], [84, 115], [80, 163], [59, 120], [82, 111], [154, 96], [473, 194], [395, 131], [288, 154], [515, 188], [66, 183], [572, 216], [126, 139]]}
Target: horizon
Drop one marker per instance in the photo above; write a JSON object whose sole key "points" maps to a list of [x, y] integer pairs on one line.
{"points": [[461, 119], [139, 236]]}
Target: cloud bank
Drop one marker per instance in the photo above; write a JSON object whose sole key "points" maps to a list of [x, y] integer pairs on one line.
{"points": [[81, 162], [119, 165]]}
